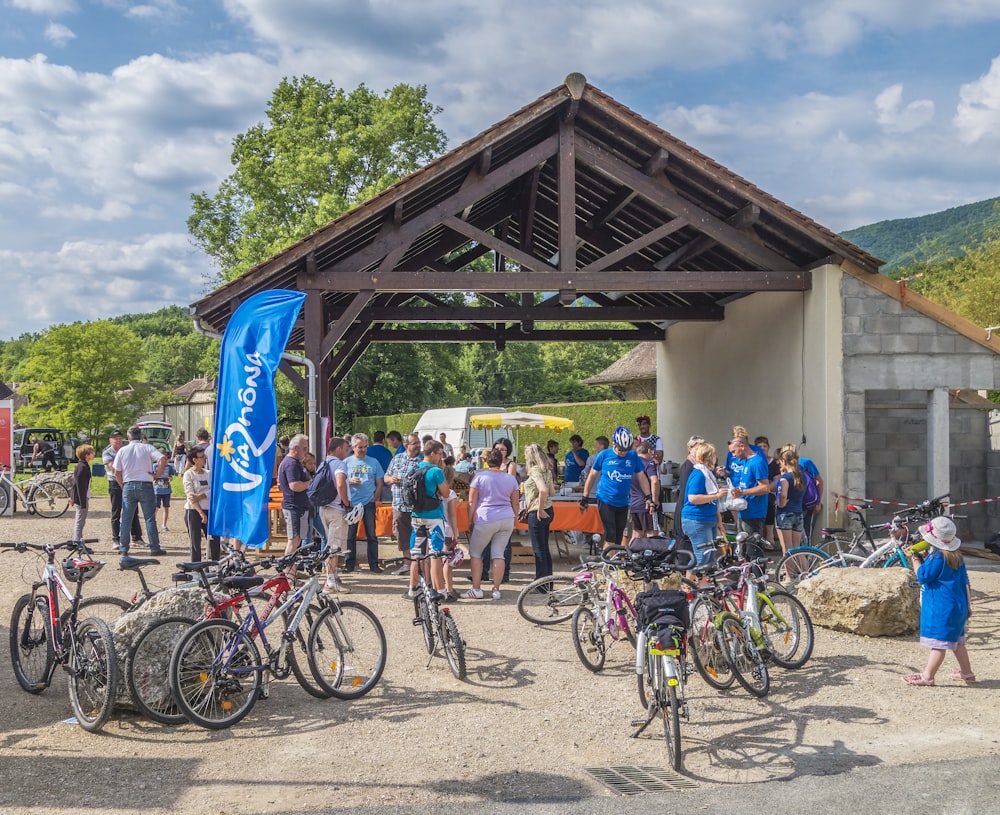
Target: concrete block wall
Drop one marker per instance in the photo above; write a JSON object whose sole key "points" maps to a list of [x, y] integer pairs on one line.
{"points": [[892, 359]]}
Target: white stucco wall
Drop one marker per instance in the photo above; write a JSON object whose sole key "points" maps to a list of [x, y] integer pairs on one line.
{"points": [[773, 365]]}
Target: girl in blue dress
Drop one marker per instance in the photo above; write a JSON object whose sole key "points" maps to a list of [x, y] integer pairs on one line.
{"points": [[945, 605]]}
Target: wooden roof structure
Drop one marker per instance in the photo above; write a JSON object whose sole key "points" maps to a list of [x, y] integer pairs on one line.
{"points": [[574, 196]]}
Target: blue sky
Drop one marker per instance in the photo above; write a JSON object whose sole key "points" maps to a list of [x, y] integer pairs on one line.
{"points": [[112, 112]]}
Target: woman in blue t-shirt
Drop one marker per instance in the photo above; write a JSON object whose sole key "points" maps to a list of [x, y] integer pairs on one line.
{"points": [[789, 488], [700, 516]]}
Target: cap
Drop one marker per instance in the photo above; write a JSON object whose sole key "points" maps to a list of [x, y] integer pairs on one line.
{"points": [[641, 419], [940, 533], [115, 432]]}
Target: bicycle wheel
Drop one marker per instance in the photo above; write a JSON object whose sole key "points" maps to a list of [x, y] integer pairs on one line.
{"points": [[299, 646], [30, 644], [587, 638], [104, 607], [423, 615], [347, 650], [4, 500], [454, 647], [148, 669], [671, 713], [215, 674], [549, 600], [788, 631], [803, 562], [706, 647], [93, 674], [745, 658], [50, 499]]}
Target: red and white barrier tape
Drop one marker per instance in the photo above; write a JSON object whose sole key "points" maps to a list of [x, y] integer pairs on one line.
{"points": [[836, 505]]}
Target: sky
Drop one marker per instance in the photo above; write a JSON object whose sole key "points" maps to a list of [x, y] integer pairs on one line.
{"points": [[112, 113]]}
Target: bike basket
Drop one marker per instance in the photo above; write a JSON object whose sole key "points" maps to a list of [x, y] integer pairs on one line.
{"points": [[649, 605], [75, 569]]}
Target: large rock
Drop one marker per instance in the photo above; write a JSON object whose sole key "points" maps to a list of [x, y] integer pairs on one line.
{"points": [[870, 602], [179, 601]]}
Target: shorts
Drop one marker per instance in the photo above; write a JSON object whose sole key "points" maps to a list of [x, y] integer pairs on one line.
{"points": [[496, 534], [296, 523], [789, 520], [426, 530], [335, 527], [161, 500], [642, 522]]}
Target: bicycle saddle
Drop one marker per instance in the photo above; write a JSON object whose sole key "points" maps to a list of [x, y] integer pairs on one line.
{"points": [[242, 583], [127, 562]]}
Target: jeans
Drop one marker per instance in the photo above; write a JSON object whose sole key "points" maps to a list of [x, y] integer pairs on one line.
{"points": [[368, 519], [538, 529], [115, 494], [196, 529], [135, 495]]}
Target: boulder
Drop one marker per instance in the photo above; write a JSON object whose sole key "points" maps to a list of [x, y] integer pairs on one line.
{"points": [[181, 601], [869, 602]]}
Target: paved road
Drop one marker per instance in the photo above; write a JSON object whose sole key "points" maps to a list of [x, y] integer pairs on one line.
{"points": [[970, 787]]}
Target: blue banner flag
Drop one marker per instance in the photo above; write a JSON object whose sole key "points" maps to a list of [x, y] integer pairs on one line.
{"points": [[246, 415]]}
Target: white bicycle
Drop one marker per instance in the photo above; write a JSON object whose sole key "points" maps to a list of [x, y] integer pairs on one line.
{"points": [[50, 499]]}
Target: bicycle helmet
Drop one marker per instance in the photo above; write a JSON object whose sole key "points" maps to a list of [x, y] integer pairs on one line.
{"points": [[456, 557], [353, 515], [622, 438], [75, 569]]}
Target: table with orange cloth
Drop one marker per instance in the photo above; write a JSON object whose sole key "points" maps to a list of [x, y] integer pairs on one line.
{"points": [[566, 515]]}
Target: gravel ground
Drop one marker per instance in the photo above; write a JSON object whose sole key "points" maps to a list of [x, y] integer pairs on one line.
{"points": [[523, 727]]}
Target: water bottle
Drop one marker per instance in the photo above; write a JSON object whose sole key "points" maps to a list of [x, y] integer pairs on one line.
{"points": [[640, 652]]}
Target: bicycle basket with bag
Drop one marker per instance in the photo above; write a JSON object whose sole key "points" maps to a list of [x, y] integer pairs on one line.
{"points": [[660, 604]]}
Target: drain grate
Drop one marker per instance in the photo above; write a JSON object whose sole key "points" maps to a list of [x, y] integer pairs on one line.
{"points": [[635, 780]]}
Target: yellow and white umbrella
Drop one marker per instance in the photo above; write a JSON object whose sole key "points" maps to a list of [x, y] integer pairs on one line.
{"points": [[518, 418]]}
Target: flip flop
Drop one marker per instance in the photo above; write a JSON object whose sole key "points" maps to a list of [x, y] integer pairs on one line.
{"points": [[918, 679], [958, 675]]}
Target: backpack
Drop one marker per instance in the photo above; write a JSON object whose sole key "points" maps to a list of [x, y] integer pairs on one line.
{"points": [[811, 499], [322, 490], [413, 491]]}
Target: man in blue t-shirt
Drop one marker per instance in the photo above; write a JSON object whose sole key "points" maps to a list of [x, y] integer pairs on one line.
{"points": [[613, 470], [364, 478], [576, 459], [428, 527], [748, 472]]}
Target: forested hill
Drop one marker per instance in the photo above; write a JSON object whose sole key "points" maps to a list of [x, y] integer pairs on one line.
{"points": [[899, 242]]}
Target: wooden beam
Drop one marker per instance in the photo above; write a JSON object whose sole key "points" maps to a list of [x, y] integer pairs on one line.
{"points": [[637, 245], [514, 334], [293, 375], [497, 179], [736, 280], [604, 162], [742, 219], [344, 322], [495, 243], [518, 313], [566, 184]]}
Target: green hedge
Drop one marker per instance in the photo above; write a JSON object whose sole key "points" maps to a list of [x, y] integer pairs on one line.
{"points": [[591, 419]]}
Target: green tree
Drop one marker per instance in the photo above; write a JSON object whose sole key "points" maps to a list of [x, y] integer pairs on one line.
{"points": [[12, 352], [322, 151], [77, 377], [176, 359]]}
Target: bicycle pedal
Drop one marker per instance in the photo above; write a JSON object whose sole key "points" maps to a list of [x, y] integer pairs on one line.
{"points": [[417, 621], [638, 722]]}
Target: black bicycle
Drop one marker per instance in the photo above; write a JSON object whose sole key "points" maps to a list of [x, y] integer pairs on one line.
{"points": [[41, 638], [436, 622]]}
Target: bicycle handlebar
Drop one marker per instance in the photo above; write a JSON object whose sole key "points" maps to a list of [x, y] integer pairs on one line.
{"points": [[80, 546], [647, 563]]}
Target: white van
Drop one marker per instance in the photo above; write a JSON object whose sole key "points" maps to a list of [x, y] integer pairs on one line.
{"points": [[455, 423]]}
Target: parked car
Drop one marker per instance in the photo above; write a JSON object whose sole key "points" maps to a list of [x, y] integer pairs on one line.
{"points": [[62, 446]]}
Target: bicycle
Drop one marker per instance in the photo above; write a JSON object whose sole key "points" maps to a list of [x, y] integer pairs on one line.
{"points": [[435, 621], [751, 625], [606, 612], [48, 499], [216, 672], [803, 562], [41, 638], [551, 599], [661, 642]]}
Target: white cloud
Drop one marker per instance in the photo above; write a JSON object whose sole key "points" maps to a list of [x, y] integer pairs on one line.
{"points": [[52, 7], [58, 34], [94, 280], [978, 115], [896, 119]]}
